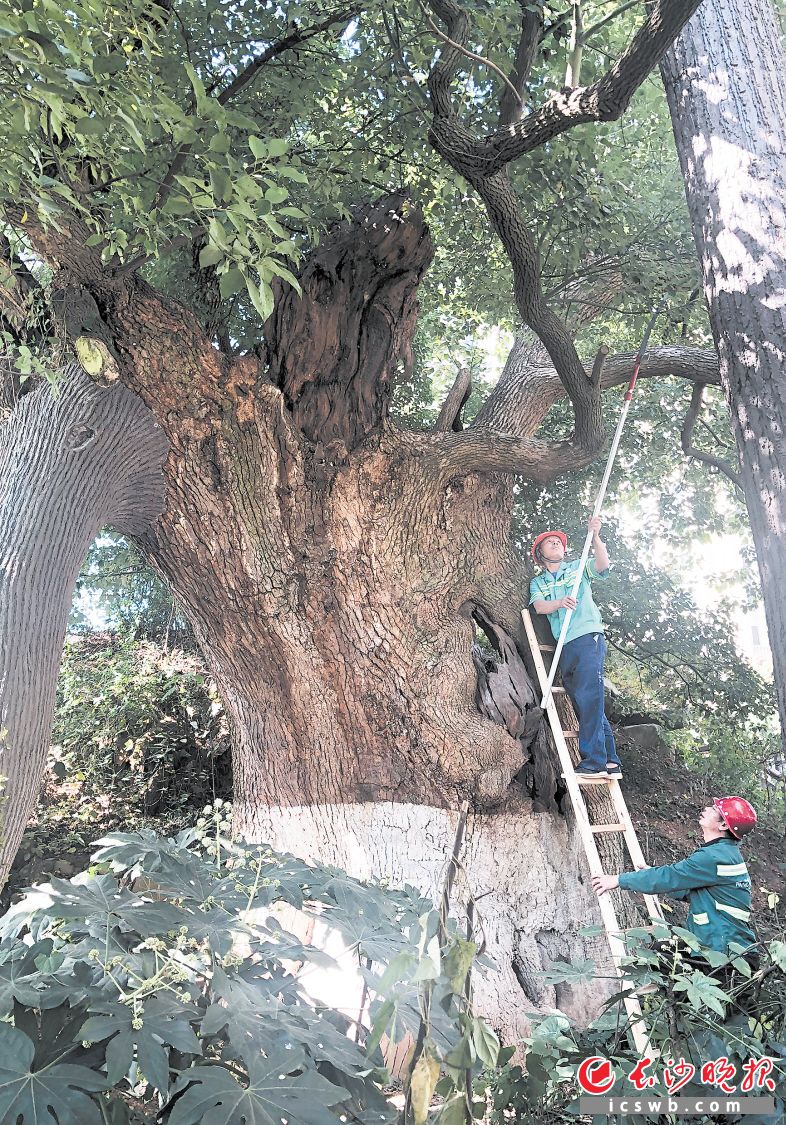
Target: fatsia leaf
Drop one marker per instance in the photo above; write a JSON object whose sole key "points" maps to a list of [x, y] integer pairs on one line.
{"points": [[19, 981], [170, 869], [218, 927], [702, 993], [87, 896], [563, 972], [60, 1091], [34, 904], [214, 1097], [163, 1025]]}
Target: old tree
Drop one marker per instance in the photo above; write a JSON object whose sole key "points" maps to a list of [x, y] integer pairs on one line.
{"points": [[166, 170]]}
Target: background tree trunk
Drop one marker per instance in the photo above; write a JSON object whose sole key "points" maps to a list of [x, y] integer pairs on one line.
{"points": [[70, 463], [724, 82]]}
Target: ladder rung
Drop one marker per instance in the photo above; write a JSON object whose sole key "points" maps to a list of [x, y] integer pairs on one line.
{"points": [[608, 827], [590, 780], [557, 688], [570, 734], [547, 648]]}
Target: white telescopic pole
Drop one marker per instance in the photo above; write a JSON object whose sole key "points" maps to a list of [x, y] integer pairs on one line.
{"points": [[585, 552], [598, 505]]}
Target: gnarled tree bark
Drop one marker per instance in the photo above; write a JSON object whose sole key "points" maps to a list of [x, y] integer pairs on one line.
{"points": [[70, 464], [334, 567], [334, 579], [724, 84]]}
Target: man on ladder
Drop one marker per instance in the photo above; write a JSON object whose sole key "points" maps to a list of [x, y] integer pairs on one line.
{"points": [[584, 645]]}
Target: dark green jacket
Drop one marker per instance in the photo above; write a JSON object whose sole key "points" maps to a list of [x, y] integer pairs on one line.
{"points": [[718, 887]]}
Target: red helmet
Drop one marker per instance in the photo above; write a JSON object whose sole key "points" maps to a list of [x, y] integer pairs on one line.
{"points": [[738, 814], [544, 535]]}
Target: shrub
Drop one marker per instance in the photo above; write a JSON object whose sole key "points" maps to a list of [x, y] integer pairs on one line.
{"points": [[161, 985], [690, 1014]]}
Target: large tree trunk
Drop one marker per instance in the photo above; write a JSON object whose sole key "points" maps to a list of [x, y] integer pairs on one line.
{"points": [[334, 585], [724, 81], [334, 568]]}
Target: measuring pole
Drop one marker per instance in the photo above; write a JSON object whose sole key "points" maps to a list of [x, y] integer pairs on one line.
{"points": [[599, 502]]}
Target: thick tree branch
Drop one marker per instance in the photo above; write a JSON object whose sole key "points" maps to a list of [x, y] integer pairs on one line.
{"points": [[457, 22], [510, 108], [505, 213], [450, 414], [599, 364], [525, 393], [605, 100], [63, 246], [687, 433], [482, 163], [493, 444], [480, 450], [510, 89]]}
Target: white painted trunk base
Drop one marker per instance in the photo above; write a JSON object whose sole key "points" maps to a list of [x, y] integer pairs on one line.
{"points": [[529, 869]]}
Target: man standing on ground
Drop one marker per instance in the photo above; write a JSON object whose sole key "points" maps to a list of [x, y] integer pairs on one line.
{"points": [[584, 651], [714, 879]]}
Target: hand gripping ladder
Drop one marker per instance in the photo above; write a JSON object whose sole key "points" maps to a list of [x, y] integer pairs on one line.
{"points": [[588, 831]]}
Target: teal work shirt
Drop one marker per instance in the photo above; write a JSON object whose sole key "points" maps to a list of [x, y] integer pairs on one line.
{"points": [[586, 616], [716, 882]]}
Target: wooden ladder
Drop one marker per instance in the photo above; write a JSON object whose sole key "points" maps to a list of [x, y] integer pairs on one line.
{"points": [[588, 831]]}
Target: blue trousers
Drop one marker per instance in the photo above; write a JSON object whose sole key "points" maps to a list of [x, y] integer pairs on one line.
{"points": [[581, 665]]}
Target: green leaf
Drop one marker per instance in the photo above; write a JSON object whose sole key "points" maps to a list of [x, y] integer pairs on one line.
{"points": [[778, 953], [213, 1094], [111, 64], [91, 125], [453, 1111], [276, 194], [458, 962], [277, 146], [79, 77], [220, 184], [287, 172], [60, 1091], [219, 235], [702, 993], [231, 282], [287, 275], [486, 1043], [20, 982], [261, 297], [463, 1054], [566, 973], [165, 1023], [258, 147], [133, 131], [383, 1017], [210, 255]]}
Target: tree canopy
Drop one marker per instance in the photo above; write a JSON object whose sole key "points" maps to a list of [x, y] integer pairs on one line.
{"points": [[210, 146]]}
